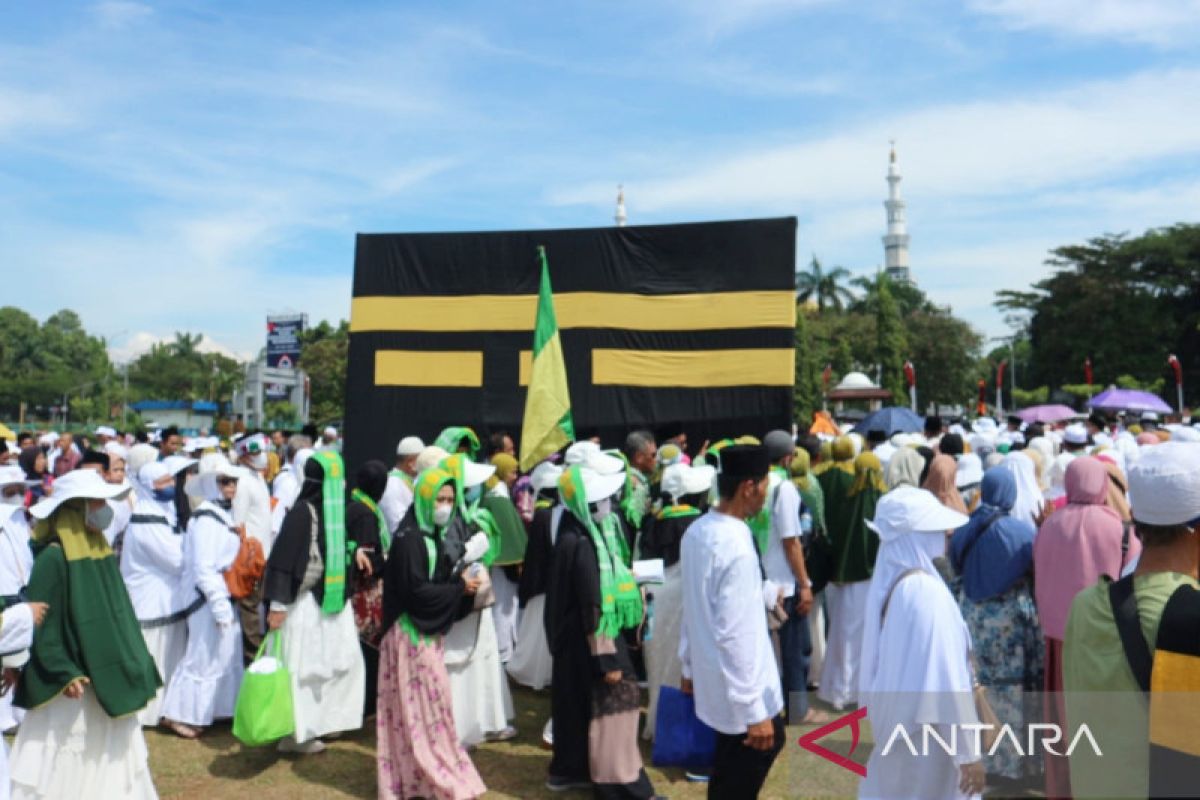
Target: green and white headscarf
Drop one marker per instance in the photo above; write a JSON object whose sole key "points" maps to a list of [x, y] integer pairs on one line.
{"points": [[477, 518], [452, 438], [620, 598], [337, 549], [425, 492]]}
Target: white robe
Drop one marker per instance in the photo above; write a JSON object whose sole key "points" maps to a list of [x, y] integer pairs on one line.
{"points": [[16, 633], [846, 605], [152, 566], [531, 664], [252, 507], [326, 667], [478, 686], [205, 684], [505, 613], [16, 563], [394, 504], [915, 673]]}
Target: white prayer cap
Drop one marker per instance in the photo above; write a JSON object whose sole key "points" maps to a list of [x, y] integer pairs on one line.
{"points": [[545, 476], [1075, 433], [410, 446], [984, 426], [970, 470], [1149, 416], [589, 454], [959, 429], [11, 474], [48, 439], [115, 449], [430, 457], [1164, 485], [910, 510], [330, 431], [80, 483], [104, 430], [680, 480], [1102, 440], [597, 486]]}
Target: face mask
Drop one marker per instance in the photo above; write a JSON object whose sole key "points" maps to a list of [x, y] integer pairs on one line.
{"points": [[165, 495], [99, 518], [13, 500], [441, 515], [474, 493], [602, 510], [259, 461]]}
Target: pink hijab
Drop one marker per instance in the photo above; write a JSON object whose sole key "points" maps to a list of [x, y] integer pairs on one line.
{"points": [[943, 472], [1077, 544]]}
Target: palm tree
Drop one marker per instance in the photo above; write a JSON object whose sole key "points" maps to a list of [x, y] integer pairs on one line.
{"points": [[825, 287]]}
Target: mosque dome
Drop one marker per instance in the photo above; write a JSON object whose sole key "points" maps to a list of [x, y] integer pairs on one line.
{"points": [[856, 380]]}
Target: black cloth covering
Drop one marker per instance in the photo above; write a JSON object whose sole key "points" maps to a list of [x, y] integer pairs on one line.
{"points": [[539, 554], [362, 525], [433, 604]]}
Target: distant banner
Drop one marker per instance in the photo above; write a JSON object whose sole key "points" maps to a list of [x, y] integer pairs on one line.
{"points": [[283, 340], [685, 325], [276, 391]]}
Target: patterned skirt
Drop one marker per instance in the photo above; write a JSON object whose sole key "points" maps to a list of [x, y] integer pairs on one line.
{"points": [[418, 750], [1009, 662]]}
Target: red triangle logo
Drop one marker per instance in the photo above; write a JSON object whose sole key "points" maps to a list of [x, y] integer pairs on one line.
{"points": [[809, 741]]}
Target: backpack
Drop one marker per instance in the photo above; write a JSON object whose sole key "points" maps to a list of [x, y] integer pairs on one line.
{"points": [[247, 568]]}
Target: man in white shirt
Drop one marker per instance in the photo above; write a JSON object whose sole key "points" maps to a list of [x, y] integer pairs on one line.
{"points": [[252, 510], [784, 565], [724, 649], [398, 496]]}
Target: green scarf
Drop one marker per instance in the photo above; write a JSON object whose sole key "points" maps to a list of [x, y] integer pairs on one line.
{"points": [[337, 549], [402, 475], [679, 512], [635, 499], [760, 523], [477, 518], [451, 439], [385, 539], [620, 598], [90, 628], [425, 491]]}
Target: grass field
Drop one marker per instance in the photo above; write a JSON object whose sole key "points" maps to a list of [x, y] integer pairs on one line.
{"points": [[216, 766]]}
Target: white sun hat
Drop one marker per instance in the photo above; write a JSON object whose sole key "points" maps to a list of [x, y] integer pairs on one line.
{"points": [[545, 476], [597, 486], [12, 474], [911, 510], [80, 483], [681, 480], [588, 454]]}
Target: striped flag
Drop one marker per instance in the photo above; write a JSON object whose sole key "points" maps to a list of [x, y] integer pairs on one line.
{"points": [[548, 425]]}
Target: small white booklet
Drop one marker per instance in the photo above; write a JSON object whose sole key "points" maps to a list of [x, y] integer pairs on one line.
{"points": [[648, 571]]}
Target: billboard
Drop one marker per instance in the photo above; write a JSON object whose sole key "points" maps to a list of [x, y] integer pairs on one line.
{"points": [[690, 325], [283, 340]]}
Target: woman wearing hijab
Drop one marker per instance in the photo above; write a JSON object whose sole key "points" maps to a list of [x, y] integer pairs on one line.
{"points": [[854, 546], [152, 566], [916, 669], [33, 461], [1118, 495], [366, 526], [205, 684], [310, 567], [993, 555], [418, 748], [591, 599], [941, 482], [531, 663], [1030, 501], [509, 554], [1076, 546], [89, 672], [970, 475], [685, 492], [904, 469]]}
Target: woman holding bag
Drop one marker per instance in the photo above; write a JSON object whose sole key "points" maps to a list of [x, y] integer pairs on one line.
{"points": [[418, 750], [312, 564]]}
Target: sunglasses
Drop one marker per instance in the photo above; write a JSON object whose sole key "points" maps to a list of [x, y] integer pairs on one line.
{"points": [[226, 481]]}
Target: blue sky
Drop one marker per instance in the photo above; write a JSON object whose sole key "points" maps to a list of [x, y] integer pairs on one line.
{"points": [[196, 165]]}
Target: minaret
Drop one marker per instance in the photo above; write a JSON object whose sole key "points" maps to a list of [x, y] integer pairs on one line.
{"points": [[895, 244], [621, 217]]}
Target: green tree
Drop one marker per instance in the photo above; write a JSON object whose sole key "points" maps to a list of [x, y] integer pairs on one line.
{"points": [[891, 342], [39, 364], [824, 287], [177, 370], [323, 355]]}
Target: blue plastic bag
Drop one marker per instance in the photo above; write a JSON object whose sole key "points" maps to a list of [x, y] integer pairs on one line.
{"points": [[680, 738]]}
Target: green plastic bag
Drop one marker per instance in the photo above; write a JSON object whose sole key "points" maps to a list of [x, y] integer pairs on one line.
{"points": [[264, 703]]}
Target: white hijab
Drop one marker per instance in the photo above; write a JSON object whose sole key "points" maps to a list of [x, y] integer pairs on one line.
{"points": [[1029, 495]]}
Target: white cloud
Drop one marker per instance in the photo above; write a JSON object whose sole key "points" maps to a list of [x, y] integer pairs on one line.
{"points": [[1161, 23], [140, 343], [120, 14]]}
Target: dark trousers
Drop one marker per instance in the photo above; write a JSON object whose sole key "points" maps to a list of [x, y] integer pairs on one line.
{"points": [[571, 710], [738, 771], [795, 650], [250, 613]]}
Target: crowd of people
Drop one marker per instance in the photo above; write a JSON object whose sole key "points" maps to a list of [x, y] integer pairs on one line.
{"points": [[141, 577]]}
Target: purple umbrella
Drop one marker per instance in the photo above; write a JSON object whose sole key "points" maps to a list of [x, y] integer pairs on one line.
{"points": [[1129, 400], [1049, 413]]}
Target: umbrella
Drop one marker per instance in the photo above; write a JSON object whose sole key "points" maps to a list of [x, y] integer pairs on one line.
{"points": [[1048, 413], [1113, 399], [893, 419]]}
